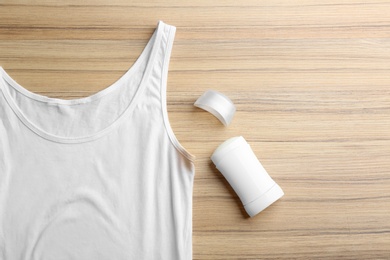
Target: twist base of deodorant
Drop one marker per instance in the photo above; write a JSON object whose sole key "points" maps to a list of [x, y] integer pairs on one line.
{"points": [[235, 159]]}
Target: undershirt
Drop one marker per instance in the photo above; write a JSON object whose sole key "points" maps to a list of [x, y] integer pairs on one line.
{"points": [[96, 178]]}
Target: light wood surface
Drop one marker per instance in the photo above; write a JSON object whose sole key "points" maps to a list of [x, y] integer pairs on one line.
{"points": [[311, 83]]}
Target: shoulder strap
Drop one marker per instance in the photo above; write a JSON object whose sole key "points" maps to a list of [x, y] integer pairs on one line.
{"points": [[167, 42], [156, 91]]}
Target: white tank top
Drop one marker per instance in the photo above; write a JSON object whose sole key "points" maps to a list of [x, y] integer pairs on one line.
{"points": [[96, 178]]}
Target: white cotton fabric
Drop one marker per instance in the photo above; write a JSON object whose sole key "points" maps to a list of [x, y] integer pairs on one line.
{"points": [[96, 178]]}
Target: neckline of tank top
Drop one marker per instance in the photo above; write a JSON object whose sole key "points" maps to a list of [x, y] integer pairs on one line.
{"points": [[151, 47]]}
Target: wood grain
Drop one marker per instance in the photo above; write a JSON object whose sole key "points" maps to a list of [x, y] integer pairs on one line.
{"points": [[310, 80]]}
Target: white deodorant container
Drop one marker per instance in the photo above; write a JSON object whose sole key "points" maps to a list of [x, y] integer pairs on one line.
{"points": [[235, 159]]}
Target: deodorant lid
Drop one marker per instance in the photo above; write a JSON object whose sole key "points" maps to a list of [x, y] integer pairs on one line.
{"points": [[217, 104]]}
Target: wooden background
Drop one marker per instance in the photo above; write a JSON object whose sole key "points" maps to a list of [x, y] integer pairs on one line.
{"points": [[311, 83]]}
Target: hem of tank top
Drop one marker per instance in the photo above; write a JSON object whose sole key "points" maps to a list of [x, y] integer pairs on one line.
{"points": [[60, 139], [163, 98]]}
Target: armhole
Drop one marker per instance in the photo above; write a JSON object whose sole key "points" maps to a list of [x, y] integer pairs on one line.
{"points": [[164, 108]]}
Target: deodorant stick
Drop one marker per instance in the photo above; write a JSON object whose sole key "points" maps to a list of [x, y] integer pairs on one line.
{"points": [[235, 159]]}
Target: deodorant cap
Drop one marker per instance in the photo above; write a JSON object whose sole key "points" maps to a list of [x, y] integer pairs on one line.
{"points": [[217, 104], [235, 159]]}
